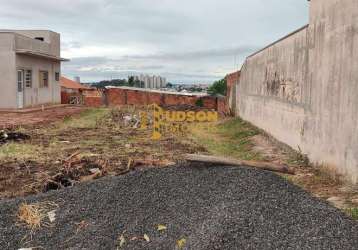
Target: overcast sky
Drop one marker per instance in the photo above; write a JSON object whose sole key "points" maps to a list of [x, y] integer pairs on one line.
{"points": [[187, 41]]}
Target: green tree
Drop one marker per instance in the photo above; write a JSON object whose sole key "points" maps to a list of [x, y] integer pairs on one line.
{"points": [[131, 81], [218, 88]]}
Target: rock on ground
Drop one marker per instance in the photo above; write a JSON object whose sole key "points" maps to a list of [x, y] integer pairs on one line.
{"points": [[209, 207]]}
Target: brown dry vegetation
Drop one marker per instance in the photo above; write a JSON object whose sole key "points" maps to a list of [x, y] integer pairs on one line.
{"points": [[82, 148]]}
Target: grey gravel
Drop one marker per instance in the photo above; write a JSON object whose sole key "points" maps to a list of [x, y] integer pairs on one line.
{"points": [[211, 207]]}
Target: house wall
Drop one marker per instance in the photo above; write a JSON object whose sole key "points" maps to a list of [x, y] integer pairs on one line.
{"points": [[36, 95], [303, 90], [7, 72], [51, 44], [10, 61]]}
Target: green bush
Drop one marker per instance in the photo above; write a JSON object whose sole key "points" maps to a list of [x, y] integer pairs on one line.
{"points": [[199, 103], [218, 88]]}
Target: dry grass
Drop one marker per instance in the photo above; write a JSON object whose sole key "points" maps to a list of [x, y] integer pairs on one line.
{"points": [[35, 215], [102, 141], [227, 138], [19, 151]]}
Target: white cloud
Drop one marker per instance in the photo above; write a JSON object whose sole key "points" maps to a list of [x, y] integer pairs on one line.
{"points": [[202, 38]]}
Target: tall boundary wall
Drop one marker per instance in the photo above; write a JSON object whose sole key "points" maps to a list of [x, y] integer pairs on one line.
{"points": [[303, 89]]}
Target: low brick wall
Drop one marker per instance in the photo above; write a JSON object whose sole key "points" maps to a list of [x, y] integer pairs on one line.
{"points": [[232, 81], [223, 106], [93, 98], [65, 98], [93, 101], [119, 96], [90, 98], [116, 97]]}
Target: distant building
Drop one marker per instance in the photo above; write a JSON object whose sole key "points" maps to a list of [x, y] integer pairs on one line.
{"points": [[151, 82], [77, 79]]}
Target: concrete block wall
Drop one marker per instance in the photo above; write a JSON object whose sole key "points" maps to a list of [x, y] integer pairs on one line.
{"points": [[303, 89], [8, 84]]}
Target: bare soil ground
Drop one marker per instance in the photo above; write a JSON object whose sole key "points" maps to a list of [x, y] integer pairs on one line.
{"points": [[82, 148], [14, 120]]}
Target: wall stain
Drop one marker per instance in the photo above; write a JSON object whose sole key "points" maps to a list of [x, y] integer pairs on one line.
{"points": [[277, 85]]}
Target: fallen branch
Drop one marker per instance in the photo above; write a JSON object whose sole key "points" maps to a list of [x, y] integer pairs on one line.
{"points": [[70, 160], [90, 177], [156, 163], [72, 156], [233, 162]]}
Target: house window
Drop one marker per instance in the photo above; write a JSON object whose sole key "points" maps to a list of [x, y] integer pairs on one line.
{"points": [[57, 76], [43, 79], [28, 78]]}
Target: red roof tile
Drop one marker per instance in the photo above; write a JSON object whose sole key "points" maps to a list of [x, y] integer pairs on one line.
{"points": [[69, 84]]}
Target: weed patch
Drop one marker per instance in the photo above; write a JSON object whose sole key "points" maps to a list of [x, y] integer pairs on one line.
{"points": [[353, 212], [230, 138], [19, 151]]}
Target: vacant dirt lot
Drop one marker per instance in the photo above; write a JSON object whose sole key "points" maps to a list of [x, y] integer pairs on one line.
{"points": [[98, 142], [11, 120], [93, 144]]}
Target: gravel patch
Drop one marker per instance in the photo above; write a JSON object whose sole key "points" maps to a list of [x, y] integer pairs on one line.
{"points": [[211, 207]]}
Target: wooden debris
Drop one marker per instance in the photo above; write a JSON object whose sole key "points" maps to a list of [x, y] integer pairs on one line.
{"points": [[146, 237], [122, 240], [156, 163], [72, 156], [233, 162], [181, 243], [90, 177], [161, 228], [70, 160]]}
